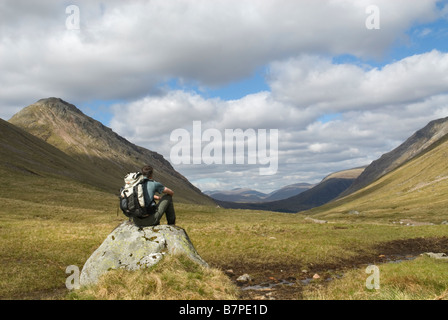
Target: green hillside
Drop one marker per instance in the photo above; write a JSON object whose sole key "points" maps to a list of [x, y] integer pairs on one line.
{"points": [[413, 146], [24, 158], [416, 190], [98, 149]]}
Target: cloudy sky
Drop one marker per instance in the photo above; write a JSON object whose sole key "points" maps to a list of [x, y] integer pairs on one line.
{"points": [[343, 81]]}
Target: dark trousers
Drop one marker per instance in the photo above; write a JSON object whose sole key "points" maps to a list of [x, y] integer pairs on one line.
{"points": [[166, 206]]}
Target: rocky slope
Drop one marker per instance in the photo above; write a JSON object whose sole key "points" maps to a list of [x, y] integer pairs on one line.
{"points": [[64, 126], [413, 194], [413, 146]]}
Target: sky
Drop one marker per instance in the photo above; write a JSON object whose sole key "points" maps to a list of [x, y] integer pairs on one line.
{"points": [[341, 82]]}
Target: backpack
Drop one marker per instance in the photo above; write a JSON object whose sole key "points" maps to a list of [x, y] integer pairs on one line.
{"points": [[132, 200]]}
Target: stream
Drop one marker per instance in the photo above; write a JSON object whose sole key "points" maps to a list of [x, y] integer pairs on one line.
{"points": [[336, 274]]}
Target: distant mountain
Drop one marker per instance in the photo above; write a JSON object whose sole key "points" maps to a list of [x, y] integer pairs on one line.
{"points": [[249, 196], [288, 191], [237, 195], [325, 191], [98, 148], [413, 146], [415, 189]]}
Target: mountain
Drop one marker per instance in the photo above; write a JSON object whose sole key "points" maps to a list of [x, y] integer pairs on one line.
{"points": [[288, 191], [23, 155], [237, 195], [325, 191], [96, 147], [414, 145], [417, 189], [249, 195]]}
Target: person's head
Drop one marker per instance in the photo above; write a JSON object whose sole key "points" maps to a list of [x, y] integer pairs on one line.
{"points": [[147, 171]]}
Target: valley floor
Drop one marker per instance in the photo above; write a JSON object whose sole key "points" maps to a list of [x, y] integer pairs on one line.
{"points": [[280, 282], [286, 256]]}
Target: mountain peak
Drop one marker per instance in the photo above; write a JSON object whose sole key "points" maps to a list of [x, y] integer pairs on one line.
{"points": [[53, 100], [57, 104], [87, 140], [53, 107]]}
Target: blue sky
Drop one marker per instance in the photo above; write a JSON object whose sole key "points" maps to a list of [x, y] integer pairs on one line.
{"points": [[340, 95]]}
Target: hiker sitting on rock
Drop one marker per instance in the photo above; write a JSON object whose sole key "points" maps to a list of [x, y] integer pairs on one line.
{"points": [[165, 205]]}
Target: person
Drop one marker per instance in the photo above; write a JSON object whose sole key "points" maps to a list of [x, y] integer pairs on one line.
{"points": [[164, 206]]}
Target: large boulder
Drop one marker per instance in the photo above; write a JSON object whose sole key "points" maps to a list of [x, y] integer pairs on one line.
{"points": [[132, 248]]}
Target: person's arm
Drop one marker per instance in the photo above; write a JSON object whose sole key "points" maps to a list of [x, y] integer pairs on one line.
{"points": [[168, 191]]}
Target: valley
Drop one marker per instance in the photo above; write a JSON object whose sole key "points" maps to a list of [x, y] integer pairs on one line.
{"points": [[59, 203]]}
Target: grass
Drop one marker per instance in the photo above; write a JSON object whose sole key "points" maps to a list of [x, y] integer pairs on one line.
{"points": [[48, 221], [416, 190], [174, 278], [41, 233], [421, 279], [274, 238]]}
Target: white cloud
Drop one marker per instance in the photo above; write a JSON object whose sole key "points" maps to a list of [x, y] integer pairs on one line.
{"points": [[315, 82], [124, 49], [373, 118]]}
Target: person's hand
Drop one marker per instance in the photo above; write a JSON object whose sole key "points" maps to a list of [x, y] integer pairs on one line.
{"points": [[156, 197]]}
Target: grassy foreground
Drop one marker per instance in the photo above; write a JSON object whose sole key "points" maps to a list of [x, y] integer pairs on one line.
{"points": [[174, 278], [42, 233], [421, 279]]}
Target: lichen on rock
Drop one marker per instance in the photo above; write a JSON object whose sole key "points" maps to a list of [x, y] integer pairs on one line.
{"points": [[133, 248]]}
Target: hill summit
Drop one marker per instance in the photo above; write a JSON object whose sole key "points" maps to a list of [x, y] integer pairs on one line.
{"points": [[89, 142], [411, 187]]}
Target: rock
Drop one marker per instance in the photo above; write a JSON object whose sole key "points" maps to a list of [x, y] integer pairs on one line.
{"points": [[316, 276], [132, 248], [229, 272], [444, 222], [409, 222], [315, 220], [353, 212], [438, 256], [244, 278]]}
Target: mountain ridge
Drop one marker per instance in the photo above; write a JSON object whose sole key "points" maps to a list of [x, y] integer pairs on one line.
{"points": [[247, 195], [325, 191], [414, 190], [87, 140], [22, 154], [413, 146]]}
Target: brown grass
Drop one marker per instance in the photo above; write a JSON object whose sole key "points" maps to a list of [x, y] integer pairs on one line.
{"points": [[174, 278]]}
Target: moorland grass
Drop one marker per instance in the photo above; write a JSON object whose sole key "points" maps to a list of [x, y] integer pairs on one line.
{"points": [[174, 278], [41, 233], [421, 279]]}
